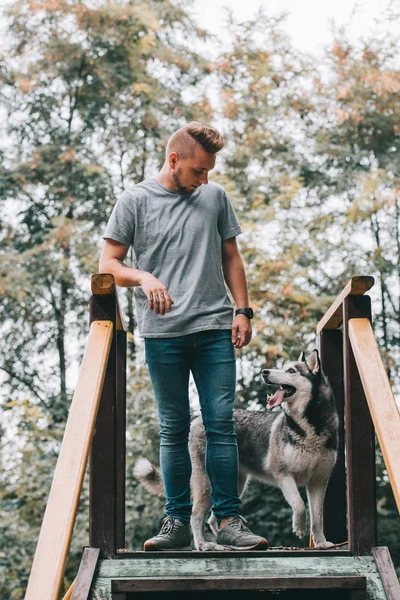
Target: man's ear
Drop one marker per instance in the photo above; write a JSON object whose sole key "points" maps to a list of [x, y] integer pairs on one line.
{"points": [[302, 357], [172, 159], [314, 363]]}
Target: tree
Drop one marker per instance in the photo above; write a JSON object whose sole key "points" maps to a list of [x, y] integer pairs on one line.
{"points": [[89, 91]]}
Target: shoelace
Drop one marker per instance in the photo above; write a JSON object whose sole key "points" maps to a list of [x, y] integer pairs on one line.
{"points": [[238, 523], [168, 525]]}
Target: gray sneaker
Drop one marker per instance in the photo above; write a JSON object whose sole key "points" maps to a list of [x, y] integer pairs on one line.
{"points": [[173, 535], [237, 536]]}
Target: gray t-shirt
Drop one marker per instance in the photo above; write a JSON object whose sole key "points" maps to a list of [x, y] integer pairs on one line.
{"points": [[177, 238]]}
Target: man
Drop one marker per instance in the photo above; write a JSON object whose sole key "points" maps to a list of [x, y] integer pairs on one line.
{"points": [[183, 230]]}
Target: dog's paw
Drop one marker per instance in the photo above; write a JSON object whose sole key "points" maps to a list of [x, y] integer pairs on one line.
{"points": [[210, 547], [299, 524], [324, 544]]}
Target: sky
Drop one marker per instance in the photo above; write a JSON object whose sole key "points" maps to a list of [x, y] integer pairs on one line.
{"points": [[308, 22]]}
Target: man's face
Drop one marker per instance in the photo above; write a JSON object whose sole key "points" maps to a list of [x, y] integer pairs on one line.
{"points": [[189, 173]]}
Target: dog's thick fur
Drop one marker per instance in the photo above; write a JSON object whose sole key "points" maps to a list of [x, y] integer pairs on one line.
{"points": [[290, 448]]}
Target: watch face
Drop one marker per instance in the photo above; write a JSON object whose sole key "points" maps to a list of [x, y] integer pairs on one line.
{"points": [[249, 313]]}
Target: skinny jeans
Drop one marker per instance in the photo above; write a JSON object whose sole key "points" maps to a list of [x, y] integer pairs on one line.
{"points": [[210, 356]]}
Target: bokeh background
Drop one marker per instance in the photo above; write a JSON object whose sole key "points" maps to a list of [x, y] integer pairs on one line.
{"points": [[308, 99]]}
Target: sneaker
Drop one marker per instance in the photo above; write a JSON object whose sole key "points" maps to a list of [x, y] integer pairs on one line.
{"points": [[235, 534], [173, 535]]}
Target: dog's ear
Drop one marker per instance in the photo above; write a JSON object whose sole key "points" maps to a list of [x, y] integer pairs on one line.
{"points": [[314, 363], [302, 357]]}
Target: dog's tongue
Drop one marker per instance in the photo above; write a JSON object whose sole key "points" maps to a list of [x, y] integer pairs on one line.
{"points": [[276, 399]]}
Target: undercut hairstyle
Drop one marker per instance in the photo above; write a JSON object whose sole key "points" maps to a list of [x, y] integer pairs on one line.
{"points": [[185, 140]]}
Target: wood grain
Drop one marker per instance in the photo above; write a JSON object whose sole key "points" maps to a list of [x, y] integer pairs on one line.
{"points": [[103, 284], [382, 404], [85, 575]]}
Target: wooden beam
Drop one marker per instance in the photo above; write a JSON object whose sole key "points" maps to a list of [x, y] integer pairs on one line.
{"points": [[175, 584], [55, 535], [103, 455], [382, 404], [357, 286], [103, 284], [120, 424], [85, 575], [360, 441], [387, 572], [335, 513]]}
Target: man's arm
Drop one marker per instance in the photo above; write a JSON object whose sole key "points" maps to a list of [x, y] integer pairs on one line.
{"points": [[111, 261], [235, 277]]}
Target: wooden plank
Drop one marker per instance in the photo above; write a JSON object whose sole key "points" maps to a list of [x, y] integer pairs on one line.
{"points": [[360, 441], [176, 554], [335, 512], [164, 584], [333, 317], [85, 575], [121, 437], [381, 401], [55, 535], [103, 463], [387, 572]]}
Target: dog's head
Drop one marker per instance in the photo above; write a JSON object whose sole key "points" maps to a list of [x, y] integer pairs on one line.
{"points": [[294, 379]]}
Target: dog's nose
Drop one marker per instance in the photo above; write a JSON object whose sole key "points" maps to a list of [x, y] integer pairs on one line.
{"points": [[264, 372]]}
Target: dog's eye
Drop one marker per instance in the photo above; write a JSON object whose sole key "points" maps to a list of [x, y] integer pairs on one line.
{"points": [[291, 370]]}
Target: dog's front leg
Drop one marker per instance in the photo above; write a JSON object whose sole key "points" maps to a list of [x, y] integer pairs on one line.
{"points": [[316, 495], [201, 507], [292, 496], [197, 521]]}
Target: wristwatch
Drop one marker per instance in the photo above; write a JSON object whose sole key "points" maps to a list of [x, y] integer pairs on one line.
{"points": [[247, 312]]}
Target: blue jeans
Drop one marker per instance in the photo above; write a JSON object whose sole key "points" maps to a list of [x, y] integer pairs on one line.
{"points": [[210, 356]]}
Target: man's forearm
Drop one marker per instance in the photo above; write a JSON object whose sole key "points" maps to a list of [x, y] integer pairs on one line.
{"points": [[235, 278], [124, 276]]}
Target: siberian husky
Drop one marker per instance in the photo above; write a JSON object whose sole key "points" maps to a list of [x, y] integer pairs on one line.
{"points": [[293, 447]]}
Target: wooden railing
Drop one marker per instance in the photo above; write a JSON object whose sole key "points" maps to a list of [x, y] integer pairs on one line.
{"points": [[96, 397], [381, 401], [351, 360]]}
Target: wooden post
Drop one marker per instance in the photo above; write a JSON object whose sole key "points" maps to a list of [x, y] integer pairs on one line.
{"points": [[103, 458], [360, 441], [335, 519], [121, 436]]}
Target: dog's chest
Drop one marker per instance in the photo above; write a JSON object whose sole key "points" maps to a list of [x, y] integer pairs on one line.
{"points": [[303, 460]]}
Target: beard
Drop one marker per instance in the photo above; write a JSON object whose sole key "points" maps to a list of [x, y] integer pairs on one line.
{"points": [[177, 181]]}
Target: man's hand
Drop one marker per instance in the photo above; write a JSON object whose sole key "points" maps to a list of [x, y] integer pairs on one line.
{"points": [[157, 295], [241, 331]]}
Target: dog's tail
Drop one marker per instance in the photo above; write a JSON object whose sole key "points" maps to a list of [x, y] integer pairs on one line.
{"points": [[149, 476]]}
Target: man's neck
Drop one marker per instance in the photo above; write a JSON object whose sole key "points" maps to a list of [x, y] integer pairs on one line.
{"points": [[166, 180]]}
